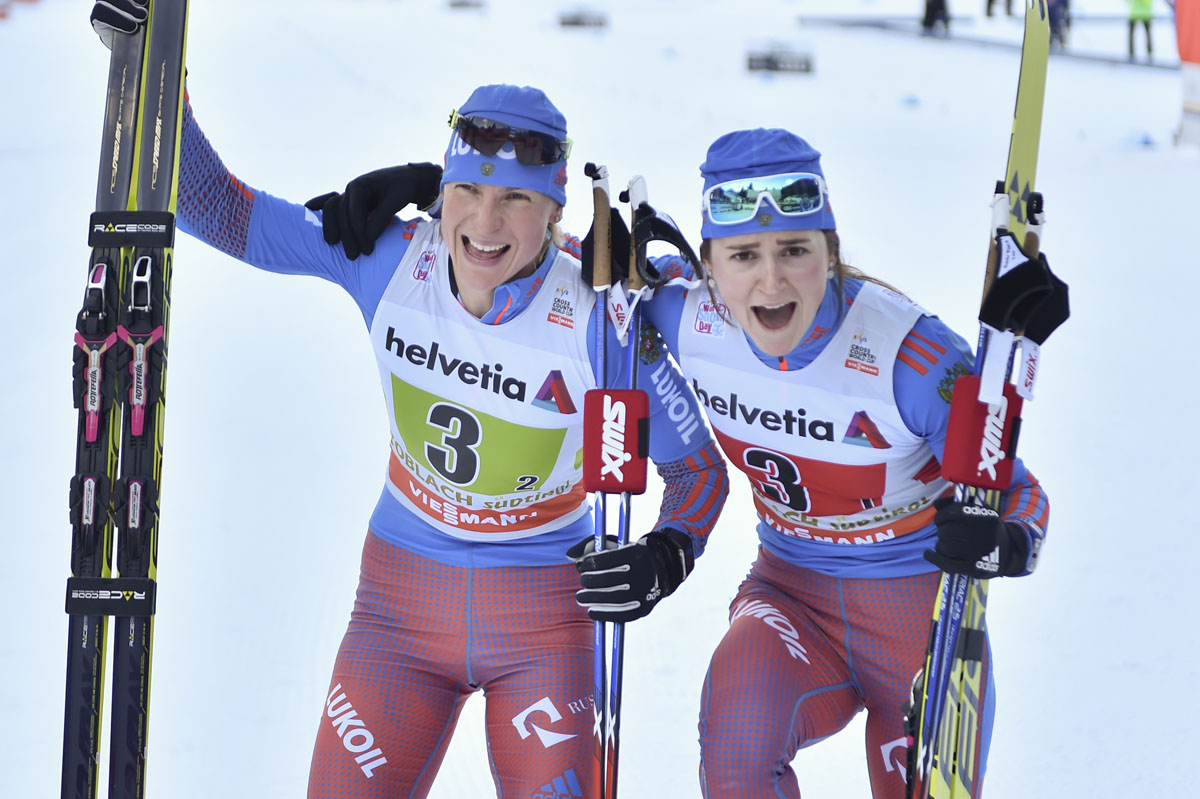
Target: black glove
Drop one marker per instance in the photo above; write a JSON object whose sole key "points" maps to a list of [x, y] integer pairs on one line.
{"points": [[358, 216], [621, 584], [110, 17], [619, 235], [975, 541], [648, 225]]}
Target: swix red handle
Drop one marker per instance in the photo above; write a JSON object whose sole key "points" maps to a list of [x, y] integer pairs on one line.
{"points": [[616, 440], [981, 440]]}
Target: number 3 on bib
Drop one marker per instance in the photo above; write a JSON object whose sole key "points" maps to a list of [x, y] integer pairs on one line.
{"points": [[779, 479], [455, 458]]}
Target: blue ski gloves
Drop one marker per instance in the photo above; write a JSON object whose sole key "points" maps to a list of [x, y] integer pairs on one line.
{"points": [[975, 541], [624, 583], [110, 17], [358, 216]]}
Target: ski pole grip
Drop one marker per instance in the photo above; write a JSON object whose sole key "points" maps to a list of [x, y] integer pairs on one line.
{"points": [[635, 195], [636, 281], [601, 233]]}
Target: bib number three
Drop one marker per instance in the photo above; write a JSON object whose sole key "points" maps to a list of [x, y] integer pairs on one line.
{"points": [[777, 478], [455, 458]]}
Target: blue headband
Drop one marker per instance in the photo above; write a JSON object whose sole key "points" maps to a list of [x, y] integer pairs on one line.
{"points": [[758, 153], [519, 107]]}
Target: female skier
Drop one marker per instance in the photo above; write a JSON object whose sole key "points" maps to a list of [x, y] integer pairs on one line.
{"points": [[480, 327], [830, 391]]}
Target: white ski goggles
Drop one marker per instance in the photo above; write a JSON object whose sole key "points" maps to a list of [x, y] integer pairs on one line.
{"points": [[791, 193]]}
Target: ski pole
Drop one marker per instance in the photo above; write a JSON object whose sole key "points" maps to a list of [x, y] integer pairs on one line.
{"points": [[601, 277], [615, 448], [635, 195]]}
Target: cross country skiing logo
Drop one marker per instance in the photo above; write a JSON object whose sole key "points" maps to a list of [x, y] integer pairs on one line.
{"points": [[860, 357], [562, 308]]}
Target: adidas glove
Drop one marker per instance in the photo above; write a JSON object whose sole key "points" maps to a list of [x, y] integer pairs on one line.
{"points": [[975, 541], [624, 583]]}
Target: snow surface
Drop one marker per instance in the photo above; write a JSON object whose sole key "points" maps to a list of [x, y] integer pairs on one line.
{"points": [[275, 442]]}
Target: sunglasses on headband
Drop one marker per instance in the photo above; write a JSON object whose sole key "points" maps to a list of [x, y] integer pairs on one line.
{"points": [[792, 194], [532, 148]]}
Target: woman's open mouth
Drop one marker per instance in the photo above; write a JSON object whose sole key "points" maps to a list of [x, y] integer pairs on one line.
{"points": [[484, 252], [774, 317]]}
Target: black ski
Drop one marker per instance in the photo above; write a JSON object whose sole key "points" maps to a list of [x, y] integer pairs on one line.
{"points": [[120, 374]]}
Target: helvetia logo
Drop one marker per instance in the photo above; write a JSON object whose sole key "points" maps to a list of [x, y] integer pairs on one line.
{"points": [[863, 432], [612, 439], [790, 422], [356, 738], [486, 376], [553, 395]]}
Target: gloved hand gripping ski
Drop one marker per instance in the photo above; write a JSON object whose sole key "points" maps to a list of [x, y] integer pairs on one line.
{"points": [[974, 540], [624, 583], [110, 17]]}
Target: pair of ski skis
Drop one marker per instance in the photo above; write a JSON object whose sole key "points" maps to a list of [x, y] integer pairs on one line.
{"points": [[1023, 303], [119, 390]]}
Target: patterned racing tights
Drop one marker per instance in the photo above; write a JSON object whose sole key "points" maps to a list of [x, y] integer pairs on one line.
{"points": [[422, 637], [804, 653]]}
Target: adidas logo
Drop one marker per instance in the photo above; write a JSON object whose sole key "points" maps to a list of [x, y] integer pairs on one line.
{"points": [[990, 562], [563, 787]]}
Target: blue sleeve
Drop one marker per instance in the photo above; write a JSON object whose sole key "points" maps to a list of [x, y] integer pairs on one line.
{"points": [[270, 233], [696, 481], [688, 460], [677, 428], [931, 358], [665, 307]]}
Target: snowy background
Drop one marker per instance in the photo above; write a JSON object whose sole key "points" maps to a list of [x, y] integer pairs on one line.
{"points": [[275, 440]]}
